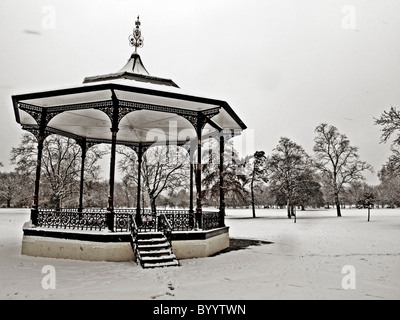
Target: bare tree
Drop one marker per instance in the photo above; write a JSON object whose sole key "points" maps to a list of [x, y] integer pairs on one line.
{"points": [[13, 188], [337, 159], [129, 169], [61, 167], [393, 162], [389, 174], [389, 187], [61, 162], [390, 121], [234, 175], [256, 175], [289, 168], [164, 168], [25, 154]]}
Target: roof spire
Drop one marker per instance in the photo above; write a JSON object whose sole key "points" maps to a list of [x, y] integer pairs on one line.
{"points": [[136, 39]]}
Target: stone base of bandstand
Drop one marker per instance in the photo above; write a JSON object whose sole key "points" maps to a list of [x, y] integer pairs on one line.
{"points": [[77, 245], [199, 244], [115, 246]]}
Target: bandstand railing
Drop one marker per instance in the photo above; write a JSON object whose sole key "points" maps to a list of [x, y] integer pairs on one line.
{"points": [[72, 219], [95, 219], [211, 220]]}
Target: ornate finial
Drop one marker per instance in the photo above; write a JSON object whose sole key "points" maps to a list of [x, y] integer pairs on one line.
{"points": [[136, 39]]}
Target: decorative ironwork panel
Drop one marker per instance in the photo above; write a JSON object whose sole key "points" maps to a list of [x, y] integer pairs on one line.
{"points": [[79, 106], [211, 112], [108, 110], [122, 112], [34, 129], [132, 106], [123, 221], [34, 111], [180, 221], [72, 219], [93, 221], [211, 220]]}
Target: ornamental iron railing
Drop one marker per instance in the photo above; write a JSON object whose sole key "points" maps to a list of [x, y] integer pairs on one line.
{"points": [[72, 219], [211, 220], [96, 219]]}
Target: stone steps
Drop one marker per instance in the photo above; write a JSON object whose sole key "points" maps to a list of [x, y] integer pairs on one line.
{"points": [[154, 250]]}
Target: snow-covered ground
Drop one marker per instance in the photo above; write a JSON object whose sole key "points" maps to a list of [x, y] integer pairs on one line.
{"points": [[305, 261]]}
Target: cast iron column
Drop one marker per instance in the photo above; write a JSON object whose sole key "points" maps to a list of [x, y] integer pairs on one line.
{"points": [[110, 208], [199, 211], [221, 180], [191, 152], [138, 217], [40, 137], [83, 157], [114, 131]]}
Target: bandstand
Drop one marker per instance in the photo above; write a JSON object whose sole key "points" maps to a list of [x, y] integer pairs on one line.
{"points": [[125, 108]]}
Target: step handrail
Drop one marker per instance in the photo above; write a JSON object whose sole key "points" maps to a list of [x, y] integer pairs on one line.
{"points": [[168, 230], [134, 233]]}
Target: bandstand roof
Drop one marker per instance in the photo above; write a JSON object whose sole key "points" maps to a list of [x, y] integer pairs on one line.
{"points": [[144, 108]]}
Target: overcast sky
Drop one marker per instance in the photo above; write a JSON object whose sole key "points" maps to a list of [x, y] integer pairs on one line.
{"points": [[284, 66]]}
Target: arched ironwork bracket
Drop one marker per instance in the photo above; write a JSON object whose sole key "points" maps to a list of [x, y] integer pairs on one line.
{"points": [[138, 147], [192, 116], [36, 112], [201, 118], [84, 143], [81, 106], [128, 106], [35, 130], [147, 145]]}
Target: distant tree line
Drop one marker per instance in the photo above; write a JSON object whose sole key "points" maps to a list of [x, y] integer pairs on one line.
{"points": [[287, 177]]}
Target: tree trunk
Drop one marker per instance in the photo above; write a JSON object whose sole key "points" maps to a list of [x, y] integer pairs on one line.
{"points": [[55, 203], [288, 209], [252, 199], [337, 203], [336, 192], [153, 205], [368, 213]]}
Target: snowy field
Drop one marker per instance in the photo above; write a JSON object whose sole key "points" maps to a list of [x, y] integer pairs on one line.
{"points": [[304, 261]]}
